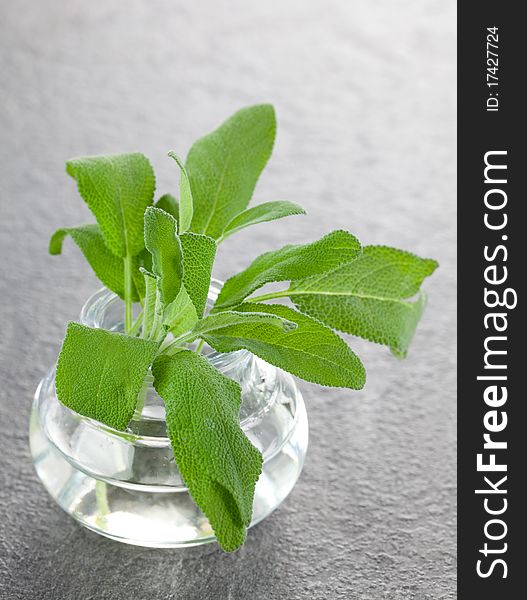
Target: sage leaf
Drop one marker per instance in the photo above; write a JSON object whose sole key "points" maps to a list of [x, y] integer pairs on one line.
{"points": [[218, 463], [180, 315], [117, 189], [369, 296], [311, 351], [199, 252], [268, 211], [169, 204], [225, 165], [162, 241], [288, 263], [152, 308], [100, 373], [248, 322], [138, 280], [106, 266], [186, 204]]}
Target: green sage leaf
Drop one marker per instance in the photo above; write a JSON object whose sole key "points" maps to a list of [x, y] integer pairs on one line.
{"points": [[169, 204], [180, 315], [288, 263], [369, 296], [106, 266], [311, 351], [100, 373], [218, 463], [199, 252], [225, 165], [186, 204], [163, 243], [117, 189], [218, 323], [152, 308], [268, 211]]}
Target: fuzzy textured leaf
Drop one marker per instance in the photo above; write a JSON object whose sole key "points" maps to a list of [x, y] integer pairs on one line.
{"points": [[289, 263], [311, 351], [268, 211], [186, 203], [108, 267], [225, 165], [368, 297], [149, 308], [218, 323], [180, 315], [169, 204], [218, 463], [163, 243], [152, 308], [199, 252], [100, 373], [117, 189]]}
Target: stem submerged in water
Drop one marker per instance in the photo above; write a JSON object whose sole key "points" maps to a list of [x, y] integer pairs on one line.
{"points": [[101, 497]]}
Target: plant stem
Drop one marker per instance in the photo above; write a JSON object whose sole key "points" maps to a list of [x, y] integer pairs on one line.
{"points": [[270, 296], [200, 346], [128, 315], [222, 238], [101, 497], [167, 349], [155, 328], [135, 327], [141, 399]]}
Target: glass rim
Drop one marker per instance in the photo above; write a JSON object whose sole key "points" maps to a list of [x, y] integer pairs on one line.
{"points": [[103, 297], [91, 315]]}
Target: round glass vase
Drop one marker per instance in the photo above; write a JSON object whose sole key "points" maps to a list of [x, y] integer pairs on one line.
{"points": [[125, 484]]}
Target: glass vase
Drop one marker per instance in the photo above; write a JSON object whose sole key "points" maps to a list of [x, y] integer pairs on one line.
{"points": [[125, 484]]}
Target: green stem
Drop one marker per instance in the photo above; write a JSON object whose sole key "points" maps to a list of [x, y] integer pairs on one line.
{"points": [[155, 329], [141, 399], [135, 327], [222, 238], [128, 290], [163, 346], [270, 296], [177, 344], [167, 349]]}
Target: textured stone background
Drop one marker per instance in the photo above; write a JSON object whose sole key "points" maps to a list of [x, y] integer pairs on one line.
{"points": [[365, 95]]}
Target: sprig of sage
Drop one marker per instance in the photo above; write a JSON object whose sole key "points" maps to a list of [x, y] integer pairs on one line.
{"points": [[161, 254]]}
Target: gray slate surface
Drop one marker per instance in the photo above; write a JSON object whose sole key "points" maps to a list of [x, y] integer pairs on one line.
{"points": [[365, 94]]}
